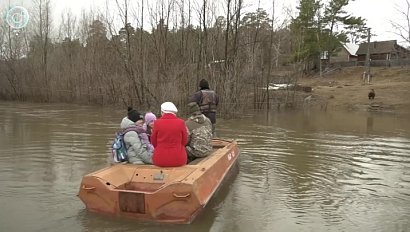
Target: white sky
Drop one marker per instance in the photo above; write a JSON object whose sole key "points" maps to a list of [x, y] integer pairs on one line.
{"points": [[378, 13]]}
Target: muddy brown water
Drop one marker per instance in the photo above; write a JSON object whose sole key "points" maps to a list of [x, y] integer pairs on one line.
{"points": [[298, 171]]}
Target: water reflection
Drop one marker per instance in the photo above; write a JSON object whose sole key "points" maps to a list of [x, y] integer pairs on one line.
{"points": [[369, 124], [306, 171], [314, 168]]}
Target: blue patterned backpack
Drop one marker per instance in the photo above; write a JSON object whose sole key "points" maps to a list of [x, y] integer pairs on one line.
{"points": [[119, 148]]}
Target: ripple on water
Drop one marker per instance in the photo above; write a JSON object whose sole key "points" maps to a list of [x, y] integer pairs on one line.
{"points": [[323, 173], [291, 177]]}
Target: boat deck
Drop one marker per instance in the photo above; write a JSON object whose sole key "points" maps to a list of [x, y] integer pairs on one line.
{"points": [[171, 194]]}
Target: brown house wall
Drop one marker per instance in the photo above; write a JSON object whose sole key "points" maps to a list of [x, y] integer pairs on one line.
{"points": [[361, 57], [342, 55], [382, 56], [386, 51], [402, 53]]}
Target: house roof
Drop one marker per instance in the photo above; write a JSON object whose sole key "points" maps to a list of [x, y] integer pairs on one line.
{"points": [[351, 48], [378, 47]]}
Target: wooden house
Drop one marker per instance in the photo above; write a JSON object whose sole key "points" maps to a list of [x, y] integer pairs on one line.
{"points": [[382, 50], [346, 53]]}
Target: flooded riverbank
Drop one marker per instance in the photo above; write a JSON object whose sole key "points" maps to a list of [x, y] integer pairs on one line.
{"points": [[298, 171]]}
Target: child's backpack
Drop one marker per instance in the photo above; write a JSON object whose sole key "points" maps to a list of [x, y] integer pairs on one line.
{"points": [[119, 149]]}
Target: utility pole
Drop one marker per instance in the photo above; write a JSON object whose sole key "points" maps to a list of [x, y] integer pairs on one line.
{"points": [[320, 48], [368, 55]]}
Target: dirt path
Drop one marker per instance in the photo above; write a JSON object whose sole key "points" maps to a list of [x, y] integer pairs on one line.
{"points": [[344, 89]]}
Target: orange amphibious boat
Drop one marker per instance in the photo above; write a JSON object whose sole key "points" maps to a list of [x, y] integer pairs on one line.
{"points": [[174, 195]]}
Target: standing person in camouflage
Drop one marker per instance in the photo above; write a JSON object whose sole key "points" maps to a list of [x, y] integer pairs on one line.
{"points": [[207, 100], [199, 133]]}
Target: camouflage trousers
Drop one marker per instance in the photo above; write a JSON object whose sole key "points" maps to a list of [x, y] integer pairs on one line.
{"points": [[193, 154]]}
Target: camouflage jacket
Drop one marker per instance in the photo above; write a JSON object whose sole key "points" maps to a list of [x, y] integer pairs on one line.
{"points": [[200, 136]]}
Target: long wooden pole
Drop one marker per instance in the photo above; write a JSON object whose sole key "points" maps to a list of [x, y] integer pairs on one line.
{"points": [[368, 53]]}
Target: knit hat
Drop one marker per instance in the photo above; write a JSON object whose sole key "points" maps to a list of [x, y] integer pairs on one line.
{"points": [[150, 117], [168, 107], [134, 115], [193, 108], [203, 84]]}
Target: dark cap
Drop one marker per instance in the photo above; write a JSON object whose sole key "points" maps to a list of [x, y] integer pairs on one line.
{"points": [[134, 115], [203, 84]]}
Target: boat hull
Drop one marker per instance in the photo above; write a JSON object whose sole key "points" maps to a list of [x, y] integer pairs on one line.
{"points": [[148, 192]]}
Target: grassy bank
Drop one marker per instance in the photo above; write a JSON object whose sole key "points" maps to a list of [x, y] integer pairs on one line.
{"points": [[344, 89]]}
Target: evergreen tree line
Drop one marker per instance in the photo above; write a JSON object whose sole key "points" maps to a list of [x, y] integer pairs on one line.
{"points": [[239, 53]]}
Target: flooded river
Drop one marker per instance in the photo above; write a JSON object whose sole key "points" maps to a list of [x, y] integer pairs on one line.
{"points": [[298, 171]]}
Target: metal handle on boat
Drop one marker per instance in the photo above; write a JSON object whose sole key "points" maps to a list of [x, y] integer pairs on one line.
{"points": [[88, 188], [181, 196]]}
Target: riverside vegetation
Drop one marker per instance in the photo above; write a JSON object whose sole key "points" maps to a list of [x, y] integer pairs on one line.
{"points": [[88, 59]]}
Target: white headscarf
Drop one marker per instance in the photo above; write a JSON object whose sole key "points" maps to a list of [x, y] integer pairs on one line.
{"points": [[168, 107]]}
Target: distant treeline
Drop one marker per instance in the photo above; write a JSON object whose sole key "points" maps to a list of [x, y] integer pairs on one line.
{"points": [[92, 63]]}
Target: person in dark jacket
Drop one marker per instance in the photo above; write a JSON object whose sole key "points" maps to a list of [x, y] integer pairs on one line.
{"points": [[371, 94], [199, 133], [169, 137], [207, 101]]}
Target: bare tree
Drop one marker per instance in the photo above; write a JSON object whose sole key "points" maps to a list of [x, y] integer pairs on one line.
{"points": [[13, 47], [68, 27], [42, 21], [106, 57], [403, 29]]}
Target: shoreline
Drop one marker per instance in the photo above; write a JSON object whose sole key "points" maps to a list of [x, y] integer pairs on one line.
{"points": [[344, 90], [341, 90]]}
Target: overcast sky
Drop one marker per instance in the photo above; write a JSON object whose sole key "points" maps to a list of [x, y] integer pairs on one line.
{"points": [[378, 13]]}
